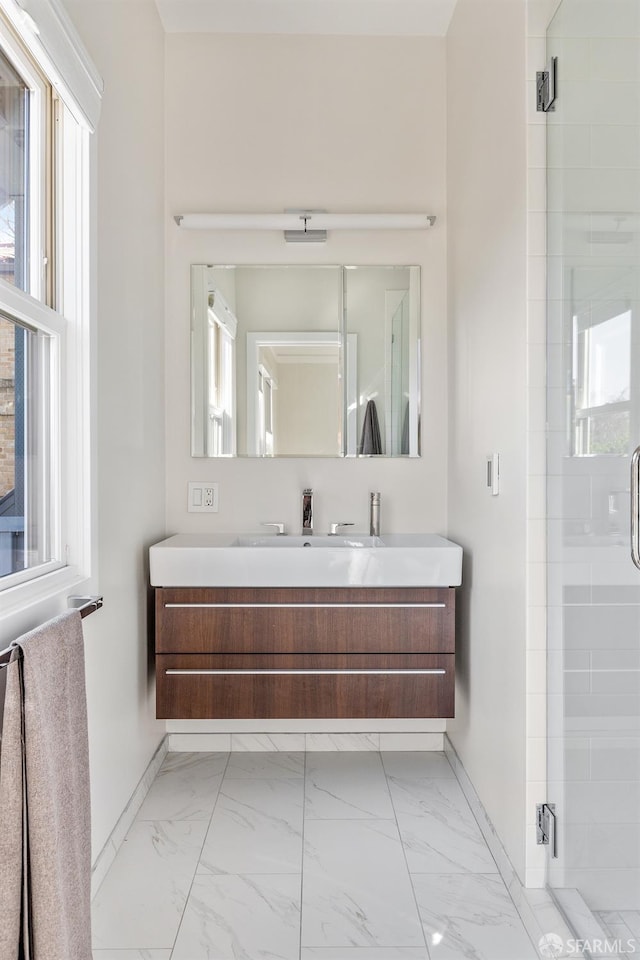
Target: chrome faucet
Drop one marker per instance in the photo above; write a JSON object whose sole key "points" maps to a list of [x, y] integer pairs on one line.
{"points": [[307, 510]]}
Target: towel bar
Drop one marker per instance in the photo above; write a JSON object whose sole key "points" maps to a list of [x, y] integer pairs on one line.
{"points": [[85, 605]]}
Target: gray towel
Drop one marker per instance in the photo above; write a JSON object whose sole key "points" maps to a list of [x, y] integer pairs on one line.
{"points": [[404, 443], [370, 441], [45, 704]]}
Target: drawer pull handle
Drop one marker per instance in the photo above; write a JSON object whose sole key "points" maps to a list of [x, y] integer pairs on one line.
{"points": [[277, 672], [303, 606]]}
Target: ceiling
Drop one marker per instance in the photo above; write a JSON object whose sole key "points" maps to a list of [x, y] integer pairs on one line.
{"points": [[326, 17]]}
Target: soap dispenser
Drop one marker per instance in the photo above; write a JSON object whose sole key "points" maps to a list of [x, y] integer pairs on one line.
{"points": [[374, 515]]}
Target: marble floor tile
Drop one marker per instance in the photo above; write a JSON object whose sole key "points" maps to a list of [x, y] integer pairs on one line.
{"points": [[185, 788], [438, 830], [356, 889], [256, 828], [262, 765], [141, 900], [241, 918], [417, 765], [470, 917], [345, 786], [632, 920]]}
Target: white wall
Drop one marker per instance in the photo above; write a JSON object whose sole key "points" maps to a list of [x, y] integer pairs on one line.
{"points": [[342, 123], [487, 204], [126, 43]]}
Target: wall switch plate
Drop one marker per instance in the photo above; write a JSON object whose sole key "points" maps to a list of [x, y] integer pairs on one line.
{"points": [[493, 474], [203, 497]]}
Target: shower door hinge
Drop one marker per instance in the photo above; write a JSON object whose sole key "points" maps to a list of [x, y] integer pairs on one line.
{"points": [[546, 86], [547, 826]]}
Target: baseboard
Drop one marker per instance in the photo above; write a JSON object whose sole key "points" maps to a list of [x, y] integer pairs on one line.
{"points": [[303, 742], [105, 858], [537, 907]]}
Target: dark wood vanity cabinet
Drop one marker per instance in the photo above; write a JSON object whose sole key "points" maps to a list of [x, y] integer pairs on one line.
{"points": [[302, 652]]}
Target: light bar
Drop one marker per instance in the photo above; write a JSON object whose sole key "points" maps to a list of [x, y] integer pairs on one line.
{"points": [[309, 225]]}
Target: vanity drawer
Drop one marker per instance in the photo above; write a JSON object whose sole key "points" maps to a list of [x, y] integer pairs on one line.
{"points": [[314, 621], [192, 686]]}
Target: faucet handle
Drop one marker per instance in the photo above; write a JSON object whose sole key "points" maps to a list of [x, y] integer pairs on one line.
{"points": [[334, 527], [279, 526]]}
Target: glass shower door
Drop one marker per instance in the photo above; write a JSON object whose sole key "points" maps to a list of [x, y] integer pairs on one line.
{"points": [[593, 401]]}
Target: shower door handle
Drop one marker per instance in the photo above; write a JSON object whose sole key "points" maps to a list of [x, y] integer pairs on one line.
{"points": [[635, 507]]}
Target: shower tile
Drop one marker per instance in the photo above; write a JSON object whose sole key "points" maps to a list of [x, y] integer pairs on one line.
{"points": [[470, 918], [570, 760], [241, 916], [142, 897], [346, 786], [417, 766], [587, 801], [615, 146], [617, 682], [615, 759], [595, 19], [606, 889], [185, 788], [569, 147], [602, 846], [256, 828], [614, 59], [438, 830], [593, 628], [357, 891], [265, 765]]}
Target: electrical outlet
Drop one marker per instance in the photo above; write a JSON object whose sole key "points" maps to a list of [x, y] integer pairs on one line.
{"points": [[203, 497]]}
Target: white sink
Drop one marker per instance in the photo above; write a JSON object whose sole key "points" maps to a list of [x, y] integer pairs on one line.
{"points": [[230, 560], [356, 542]]}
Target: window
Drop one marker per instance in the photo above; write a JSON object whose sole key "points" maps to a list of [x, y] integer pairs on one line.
{"points": [[221, 339], [26, 350], [44, 308], [602, 377]]}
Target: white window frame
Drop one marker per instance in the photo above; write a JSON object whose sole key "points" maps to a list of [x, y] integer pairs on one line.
{"points": [[28, 597]]}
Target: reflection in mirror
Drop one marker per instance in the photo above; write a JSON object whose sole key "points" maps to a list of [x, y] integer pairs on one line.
{"points": [[382, 306], [290, 378], [279, 368]]}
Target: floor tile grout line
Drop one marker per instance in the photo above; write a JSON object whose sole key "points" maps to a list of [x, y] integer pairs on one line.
{"points": [[204, 840], [406, 862]]}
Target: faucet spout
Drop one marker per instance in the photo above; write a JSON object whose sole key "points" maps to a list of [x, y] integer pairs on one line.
{"points": [[307, 511]]}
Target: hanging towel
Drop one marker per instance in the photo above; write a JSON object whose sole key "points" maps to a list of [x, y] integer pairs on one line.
{"points": [[45, 840], [404, 443], [370, 442]]}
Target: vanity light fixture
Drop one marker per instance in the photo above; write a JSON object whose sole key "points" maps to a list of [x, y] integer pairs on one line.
{"points": [[305, 226]]}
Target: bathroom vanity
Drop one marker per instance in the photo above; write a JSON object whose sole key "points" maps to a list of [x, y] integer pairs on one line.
{"points": [[296, 633]]}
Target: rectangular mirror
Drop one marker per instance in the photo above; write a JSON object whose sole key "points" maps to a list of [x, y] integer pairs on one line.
{"points": [[295, 361]]}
